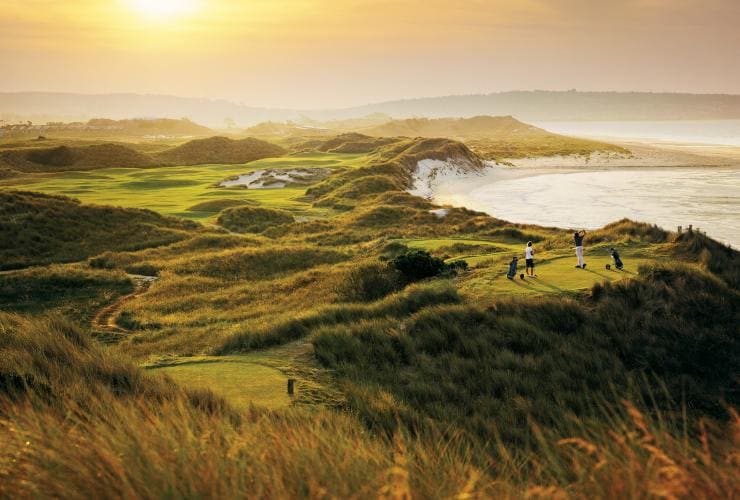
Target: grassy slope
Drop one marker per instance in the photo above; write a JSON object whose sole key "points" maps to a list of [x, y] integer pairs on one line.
{"points": [[179, 191], [124, 433], [41, 229], [230, 295], [39, 156]]}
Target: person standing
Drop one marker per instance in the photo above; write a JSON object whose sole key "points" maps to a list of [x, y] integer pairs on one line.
{"points": [[578, 238], [529, 260]]}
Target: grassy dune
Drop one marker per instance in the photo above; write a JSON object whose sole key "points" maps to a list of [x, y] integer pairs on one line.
{"points": [[38, 157], [181, 191], [41, 229], [143, 436], [491, 137], [465, 384]]}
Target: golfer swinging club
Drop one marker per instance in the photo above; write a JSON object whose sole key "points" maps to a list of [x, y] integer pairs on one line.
{"points": [[578, 238]]}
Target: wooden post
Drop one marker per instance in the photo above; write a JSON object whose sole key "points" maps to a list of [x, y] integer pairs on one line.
{"points": [[291, 386]]}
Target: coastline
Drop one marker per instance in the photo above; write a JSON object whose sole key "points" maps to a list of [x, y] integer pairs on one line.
{"points": [[661, 184], [644, 154]]}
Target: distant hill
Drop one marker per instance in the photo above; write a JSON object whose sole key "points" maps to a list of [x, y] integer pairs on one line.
{"points": [[159, 126], [109, 155], [220, 150], [103, 127], [353, 143], [491, 137], [41, 107], [566, 106], [456, 128], [63, 158], [285, 129]]}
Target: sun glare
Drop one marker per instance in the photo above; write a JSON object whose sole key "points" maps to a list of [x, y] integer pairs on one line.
{"points": [[163, 9]]}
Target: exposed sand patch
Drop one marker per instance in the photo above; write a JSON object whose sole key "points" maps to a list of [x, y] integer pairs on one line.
{"points": [[277, 178], [430, 174], [643, 155]]}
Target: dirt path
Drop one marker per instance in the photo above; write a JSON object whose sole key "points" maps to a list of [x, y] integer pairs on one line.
{"points": [[104, 321]]}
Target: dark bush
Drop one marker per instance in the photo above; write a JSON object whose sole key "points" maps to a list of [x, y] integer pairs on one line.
{"points": [[416, 265], [143, 269], [102, 262]]}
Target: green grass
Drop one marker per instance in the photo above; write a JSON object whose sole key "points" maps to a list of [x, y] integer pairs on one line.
{"points": [[174, 190], [431, 244], [556, 272], [556, 275], [489, 368], [241, 380], [256, 378], [429, 376]]}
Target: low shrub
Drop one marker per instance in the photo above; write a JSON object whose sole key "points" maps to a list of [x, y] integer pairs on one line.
{"points": [[253, 219], [417, 265], [368, 282], [143, 269]]}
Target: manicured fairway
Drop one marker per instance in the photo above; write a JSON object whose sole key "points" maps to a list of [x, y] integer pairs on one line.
{"points": [[554, 275], [436, 243], [556, 271], [258, 377], [173, 190]]}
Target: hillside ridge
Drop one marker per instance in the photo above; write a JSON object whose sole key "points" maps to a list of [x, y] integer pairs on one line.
{"points": [[525, 105]]}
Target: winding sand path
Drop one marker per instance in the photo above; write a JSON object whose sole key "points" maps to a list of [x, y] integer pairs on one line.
{"points": [[105, 320]]}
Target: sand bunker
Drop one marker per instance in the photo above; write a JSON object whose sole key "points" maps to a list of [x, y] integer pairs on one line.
{"points": [[277, 178]]}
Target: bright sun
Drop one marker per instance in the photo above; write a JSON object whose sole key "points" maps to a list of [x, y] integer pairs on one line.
{"points": [[163, 9]]}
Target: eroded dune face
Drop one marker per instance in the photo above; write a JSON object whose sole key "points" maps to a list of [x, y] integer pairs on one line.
{"points": [[430, 174]]}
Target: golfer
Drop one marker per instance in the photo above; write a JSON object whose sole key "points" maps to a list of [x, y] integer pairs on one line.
{"points": [[578, 238], [529, 260]]}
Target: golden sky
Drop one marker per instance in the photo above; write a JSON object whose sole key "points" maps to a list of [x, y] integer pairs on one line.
{"points": [[328, 53]]}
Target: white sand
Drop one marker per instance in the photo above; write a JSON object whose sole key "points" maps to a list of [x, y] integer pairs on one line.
{"points": [[643, 155], [266, 179], [430, 174]]}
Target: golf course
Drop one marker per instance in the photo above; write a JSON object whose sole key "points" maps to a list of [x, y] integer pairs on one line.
{"points": [[175, 301]]}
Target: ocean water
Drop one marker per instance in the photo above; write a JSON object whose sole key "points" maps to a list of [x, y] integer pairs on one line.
{"points": [[721, 132], [708, 198]]}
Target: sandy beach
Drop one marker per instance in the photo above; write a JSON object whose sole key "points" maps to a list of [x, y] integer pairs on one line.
{"points": [[643, 154]]}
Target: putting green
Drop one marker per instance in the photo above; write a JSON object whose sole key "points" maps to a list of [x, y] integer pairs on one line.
{"points": [[259, 377], [557, 274], [238, 379]]}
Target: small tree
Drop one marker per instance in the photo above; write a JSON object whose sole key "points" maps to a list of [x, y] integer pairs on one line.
{"points": [[416, 265]]}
